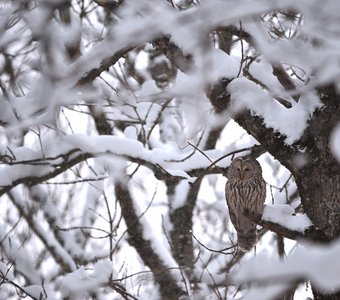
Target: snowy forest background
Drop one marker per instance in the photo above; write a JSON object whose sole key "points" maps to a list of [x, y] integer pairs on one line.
{"points": [[112, 117]]}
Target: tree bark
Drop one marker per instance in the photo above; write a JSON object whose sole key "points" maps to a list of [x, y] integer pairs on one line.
{"points": [[316, 171], [318, 295], [318, 180]]}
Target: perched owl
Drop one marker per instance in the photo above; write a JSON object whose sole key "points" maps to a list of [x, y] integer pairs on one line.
{"points": [[245, 192]]}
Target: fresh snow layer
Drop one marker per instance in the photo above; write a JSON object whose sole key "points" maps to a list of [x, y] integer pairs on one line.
{"points": [[306, 261], [291, 123], [283, 215]]}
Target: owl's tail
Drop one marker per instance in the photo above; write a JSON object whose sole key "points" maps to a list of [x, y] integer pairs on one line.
{"points": [[247, 240]]}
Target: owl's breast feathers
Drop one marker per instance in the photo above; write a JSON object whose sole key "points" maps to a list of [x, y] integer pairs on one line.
{"points": [[252, 194]]}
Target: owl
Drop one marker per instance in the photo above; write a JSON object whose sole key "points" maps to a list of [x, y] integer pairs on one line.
{"points": [[245, 193]]}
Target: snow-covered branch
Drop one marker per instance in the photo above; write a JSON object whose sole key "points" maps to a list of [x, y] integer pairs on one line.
{"points": [[282, 220]]}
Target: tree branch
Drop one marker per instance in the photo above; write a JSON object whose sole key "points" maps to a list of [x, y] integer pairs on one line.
{"points": [[168, 286], [105, 64], [59, 254], [284, 79], [220, 99], [311, 233], [59, 168], [174, 53]]}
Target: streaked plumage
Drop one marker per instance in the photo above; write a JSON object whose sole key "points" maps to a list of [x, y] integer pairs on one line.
{"points": [[245, 193]]}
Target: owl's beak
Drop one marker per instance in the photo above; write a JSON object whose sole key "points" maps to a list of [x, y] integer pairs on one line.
{"points": [[241, 175]]}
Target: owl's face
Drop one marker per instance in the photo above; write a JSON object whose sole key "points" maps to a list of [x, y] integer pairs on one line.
{"points": [[242, 170]]}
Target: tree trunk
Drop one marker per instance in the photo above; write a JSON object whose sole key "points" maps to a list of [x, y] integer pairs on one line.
{"points": [[318, 178], [316, 171]]}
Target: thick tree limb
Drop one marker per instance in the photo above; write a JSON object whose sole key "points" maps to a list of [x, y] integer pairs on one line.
{"points": [[168, 286], [272, 141], [318, 179]]}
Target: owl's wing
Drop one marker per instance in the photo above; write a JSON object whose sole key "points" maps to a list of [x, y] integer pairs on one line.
{"points": [[234, 205]]}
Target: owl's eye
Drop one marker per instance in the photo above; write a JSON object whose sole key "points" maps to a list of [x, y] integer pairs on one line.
{"points": [[238, 169], [247, 169]]}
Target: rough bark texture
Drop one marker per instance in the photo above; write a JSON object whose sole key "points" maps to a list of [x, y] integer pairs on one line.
{"points": [[181, 238], [319, 179]]}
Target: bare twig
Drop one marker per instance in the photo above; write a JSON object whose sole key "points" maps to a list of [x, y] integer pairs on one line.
{"points": [[216, 251], [18, 287]]}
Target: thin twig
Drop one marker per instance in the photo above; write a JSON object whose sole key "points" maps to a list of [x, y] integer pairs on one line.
{"points": [[213, 250], [222, 157], [242, 51]]}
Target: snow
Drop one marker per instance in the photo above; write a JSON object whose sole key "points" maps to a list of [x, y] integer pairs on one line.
{"points": [[306, 261], [222, 65], [44, 88], [283, 215], [182, 174], [35, 290], [267, 292], [101, 144], [180, 195], [128, 148], [10, 174], [335, 142], [79, 283], [6, 272], [245, 94], [262, 71]]}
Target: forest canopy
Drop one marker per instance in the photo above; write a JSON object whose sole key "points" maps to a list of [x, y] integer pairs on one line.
{"points": [[119, 120]]}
